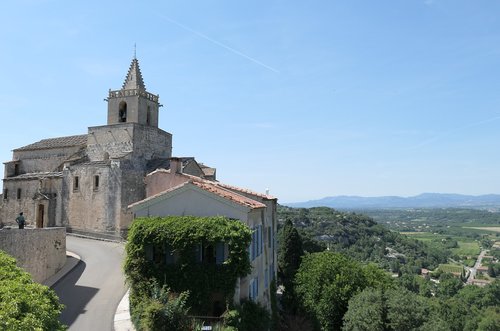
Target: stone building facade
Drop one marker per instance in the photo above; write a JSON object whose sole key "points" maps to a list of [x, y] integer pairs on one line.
{"points": [[86, 182]]}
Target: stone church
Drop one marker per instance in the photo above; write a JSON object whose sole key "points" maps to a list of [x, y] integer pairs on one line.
{"points": [[86, 182]]}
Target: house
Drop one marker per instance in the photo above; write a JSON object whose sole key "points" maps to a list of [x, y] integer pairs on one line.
{"points": [[174, 193], [85, 182]]}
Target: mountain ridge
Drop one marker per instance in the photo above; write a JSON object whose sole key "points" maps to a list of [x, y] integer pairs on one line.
{"points": [[424, 200]]}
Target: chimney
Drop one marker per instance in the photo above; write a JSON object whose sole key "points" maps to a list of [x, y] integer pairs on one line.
{"points": [[175, 165]]}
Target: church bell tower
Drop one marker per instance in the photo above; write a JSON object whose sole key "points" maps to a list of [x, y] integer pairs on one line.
{"points": [[133, 104]]}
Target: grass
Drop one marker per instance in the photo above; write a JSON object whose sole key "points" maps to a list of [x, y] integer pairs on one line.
{"points": [[467, 248]]}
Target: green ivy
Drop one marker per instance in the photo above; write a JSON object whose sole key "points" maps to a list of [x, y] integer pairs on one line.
{"points": [[182, 234]]}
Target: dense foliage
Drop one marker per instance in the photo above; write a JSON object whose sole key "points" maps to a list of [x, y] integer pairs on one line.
{"points": [[471, 308], [24, 304], [162, 310], [249, 316], [181, 236], [326, 281], [361, 238]]}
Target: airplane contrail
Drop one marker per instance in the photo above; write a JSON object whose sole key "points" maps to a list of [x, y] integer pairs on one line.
{"points": [[218, 43]]}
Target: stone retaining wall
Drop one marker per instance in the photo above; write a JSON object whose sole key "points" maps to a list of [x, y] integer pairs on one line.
{"points": [[41, 252]]}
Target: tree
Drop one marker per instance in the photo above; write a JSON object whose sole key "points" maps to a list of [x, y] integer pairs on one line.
{"points": [[24, 304], [289, 257], [490, 320], [324, 284], [393, 309], [366, 312], [449, 285], [405, 310], [491, 271]]}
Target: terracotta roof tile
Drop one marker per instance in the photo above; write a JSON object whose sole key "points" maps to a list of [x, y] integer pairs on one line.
{"points": [[244, 190], [229, 195], [212, 188]]}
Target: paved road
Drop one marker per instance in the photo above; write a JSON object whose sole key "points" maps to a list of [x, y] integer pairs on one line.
{"points": [[473, 270], [93, 289]]}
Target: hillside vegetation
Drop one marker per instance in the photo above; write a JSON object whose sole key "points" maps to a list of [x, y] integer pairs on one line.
{"points": [[360, 237]]}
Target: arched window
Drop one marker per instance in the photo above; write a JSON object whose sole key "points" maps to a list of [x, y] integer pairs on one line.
{"points": [[148, 116], [122, 112]]}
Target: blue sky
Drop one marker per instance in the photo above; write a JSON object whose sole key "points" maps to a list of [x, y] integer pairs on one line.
{"points": [[306, 98]]}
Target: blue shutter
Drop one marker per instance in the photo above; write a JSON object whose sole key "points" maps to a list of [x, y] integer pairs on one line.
{"points": [[148, 252], [169, 255], [198, 253], [266, 279], [261, 240], [219, 253]]}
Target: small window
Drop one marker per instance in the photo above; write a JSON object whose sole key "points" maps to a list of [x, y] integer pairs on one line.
{"points": [[76, 183], [148, 116], [96, 183], [5, 194], [18, 193], [122, 112], [16, 169]]}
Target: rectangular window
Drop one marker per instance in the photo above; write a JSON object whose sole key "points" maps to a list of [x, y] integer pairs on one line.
{"points": [[5, 194], [198, 253], [219, 253], [266, 279], [253, 289], [261, 240], [148, 251], [76, 183], [96, 183], [269, 236], [18, 193], [170, 257]]}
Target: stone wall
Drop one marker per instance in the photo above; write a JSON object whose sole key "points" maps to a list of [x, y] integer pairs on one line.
{"points": [[41, 252]]}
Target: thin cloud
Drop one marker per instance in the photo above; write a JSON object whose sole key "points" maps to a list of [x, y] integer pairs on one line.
{"points": [[218, 43], [450, 132]]}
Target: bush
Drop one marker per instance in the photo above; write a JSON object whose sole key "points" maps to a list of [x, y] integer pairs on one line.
{"points": [[24, 304], [249, 316], [162, 310]]}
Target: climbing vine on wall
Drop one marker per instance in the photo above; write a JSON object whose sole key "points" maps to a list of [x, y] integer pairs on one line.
{"points": [[172, 250]]}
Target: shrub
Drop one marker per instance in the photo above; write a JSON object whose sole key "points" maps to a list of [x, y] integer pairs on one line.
{"points": [[162, 310], [24, 304], [249, 316]]}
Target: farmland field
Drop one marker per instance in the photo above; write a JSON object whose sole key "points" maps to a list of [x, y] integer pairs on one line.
{"points": [[451, 268], [484, 228]]}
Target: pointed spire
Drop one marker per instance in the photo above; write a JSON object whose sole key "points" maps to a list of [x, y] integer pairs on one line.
{"points": [[134, 77]]}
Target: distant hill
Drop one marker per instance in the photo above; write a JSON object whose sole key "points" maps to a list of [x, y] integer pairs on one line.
{"points": [[425, 200]]}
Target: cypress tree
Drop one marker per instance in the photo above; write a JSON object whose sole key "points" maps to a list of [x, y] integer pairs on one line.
{"points": [[289, 257]]}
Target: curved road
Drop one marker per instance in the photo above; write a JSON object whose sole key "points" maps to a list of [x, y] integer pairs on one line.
{"points": [[92, 290]]}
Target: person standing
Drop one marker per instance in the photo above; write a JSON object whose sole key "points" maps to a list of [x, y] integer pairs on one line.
{"points": [[20, 220]]}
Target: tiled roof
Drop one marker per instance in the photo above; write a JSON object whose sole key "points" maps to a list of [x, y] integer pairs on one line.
{"points": [[207, 171], [70, 141], [36, 175], [229, 195], [212, 188], [244, 190]]}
